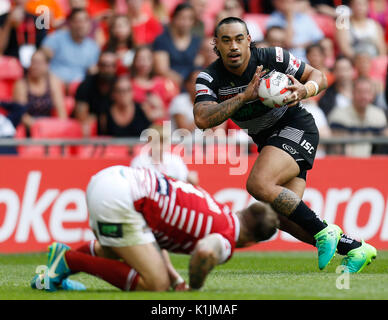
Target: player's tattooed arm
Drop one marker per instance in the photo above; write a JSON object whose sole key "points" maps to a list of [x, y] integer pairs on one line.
{"points": [[205, 257], [209, 114], [286, 202]]}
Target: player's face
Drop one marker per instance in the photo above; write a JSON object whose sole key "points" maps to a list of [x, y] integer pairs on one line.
{"points": [[233, 43]]}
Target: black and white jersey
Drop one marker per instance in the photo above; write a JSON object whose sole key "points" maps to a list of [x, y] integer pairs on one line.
{"points": [[217, 84]]}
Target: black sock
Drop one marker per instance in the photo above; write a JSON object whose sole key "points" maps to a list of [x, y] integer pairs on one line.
{"points": [[346, 244], [307, 219]]}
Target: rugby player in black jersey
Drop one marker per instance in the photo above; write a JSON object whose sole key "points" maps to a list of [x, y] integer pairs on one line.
{"points": [[287, 137]]}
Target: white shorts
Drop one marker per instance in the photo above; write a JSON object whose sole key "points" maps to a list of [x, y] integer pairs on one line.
{"points": [[112, 215]]}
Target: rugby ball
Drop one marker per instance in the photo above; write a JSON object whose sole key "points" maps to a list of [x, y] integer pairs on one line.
{"points": [[272, 89]]}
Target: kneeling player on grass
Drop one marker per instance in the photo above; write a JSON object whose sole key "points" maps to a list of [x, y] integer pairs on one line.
{"points": [[133, 212]]}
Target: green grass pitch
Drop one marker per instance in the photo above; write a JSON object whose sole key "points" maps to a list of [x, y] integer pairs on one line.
{"points": [[248, 276]]}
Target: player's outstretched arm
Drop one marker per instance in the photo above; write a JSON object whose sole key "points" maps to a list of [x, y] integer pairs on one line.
{"points": [[207, 254], [209, 114], [177, 282]]}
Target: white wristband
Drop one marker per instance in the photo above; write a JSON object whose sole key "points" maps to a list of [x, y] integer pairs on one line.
{"points": [[179, 280], [315, 85]]}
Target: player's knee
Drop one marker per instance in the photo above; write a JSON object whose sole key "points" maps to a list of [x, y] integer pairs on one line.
{"points": [[160, 282], [259, 189]]}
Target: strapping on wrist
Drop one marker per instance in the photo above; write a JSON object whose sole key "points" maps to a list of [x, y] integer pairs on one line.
{"points": [[312, 88]]}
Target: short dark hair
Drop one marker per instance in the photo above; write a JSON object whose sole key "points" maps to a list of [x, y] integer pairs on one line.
{"points": [[274, 27], [76, 11], [342, 57], [180, 7], [362, 79], [230, 20], [312, 46]]}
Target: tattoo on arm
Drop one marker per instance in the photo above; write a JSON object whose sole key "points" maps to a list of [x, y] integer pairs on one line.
{"points": [[286, 202], [215, 114]]}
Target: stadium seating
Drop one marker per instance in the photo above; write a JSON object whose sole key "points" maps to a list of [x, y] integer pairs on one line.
{"points": [[52, 128], [56, 128], [326, 24], [10, 71]]}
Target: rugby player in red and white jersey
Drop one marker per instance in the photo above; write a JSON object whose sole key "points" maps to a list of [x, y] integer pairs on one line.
{"points": [[135, 212]]}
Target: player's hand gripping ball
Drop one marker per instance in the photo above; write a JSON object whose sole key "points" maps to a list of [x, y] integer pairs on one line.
{"points": [[272, 89]]}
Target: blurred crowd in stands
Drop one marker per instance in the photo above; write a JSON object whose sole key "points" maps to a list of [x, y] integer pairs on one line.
{"points": [[113, 68]]}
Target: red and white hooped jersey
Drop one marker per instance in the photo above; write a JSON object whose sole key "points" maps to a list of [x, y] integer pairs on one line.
{"points": [[180, 214]]}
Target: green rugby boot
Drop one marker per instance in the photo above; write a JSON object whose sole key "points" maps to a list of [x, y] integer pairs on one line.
{"points": [[326, 243], [356, 259], [40, 281], [57, 266]]}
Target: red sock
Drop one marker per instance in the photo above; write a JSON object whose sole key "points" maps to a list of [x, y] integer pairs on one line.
{"points": [[88, 248], [115, 272]]}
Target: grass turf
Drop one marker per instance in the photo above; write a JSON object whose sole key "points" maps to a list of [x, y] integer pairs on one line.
{"points": [[249, 275]]}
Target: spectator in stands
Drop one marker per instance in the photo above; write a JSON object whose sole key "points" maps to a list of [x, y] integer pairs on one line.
{"points": [[146, 84], [359, 119], [181, 108], [367, 68], [340, 93], [99, 12], [161, 159], [145, 27], [234, 8], [71, 52], [160, 11], [363, 34], [275, 36], [93, 94], [9, 122], [126, 118], [120, 41], [19, 36], [301, 29], [176, 49], [40, 90], [316, 58], [206, 52], [328, 51], [363, 66], [199, 7]]}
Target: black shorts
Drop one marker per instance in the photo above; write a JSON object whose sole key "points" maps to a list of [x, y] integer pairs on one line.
{"points": [[296, 134]]}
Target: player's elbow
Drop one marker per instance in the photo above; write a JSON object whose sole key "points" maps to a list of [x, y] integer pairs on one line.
{"points": [[207, 254], [201, 122], [321, 79], [207, 251]]}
